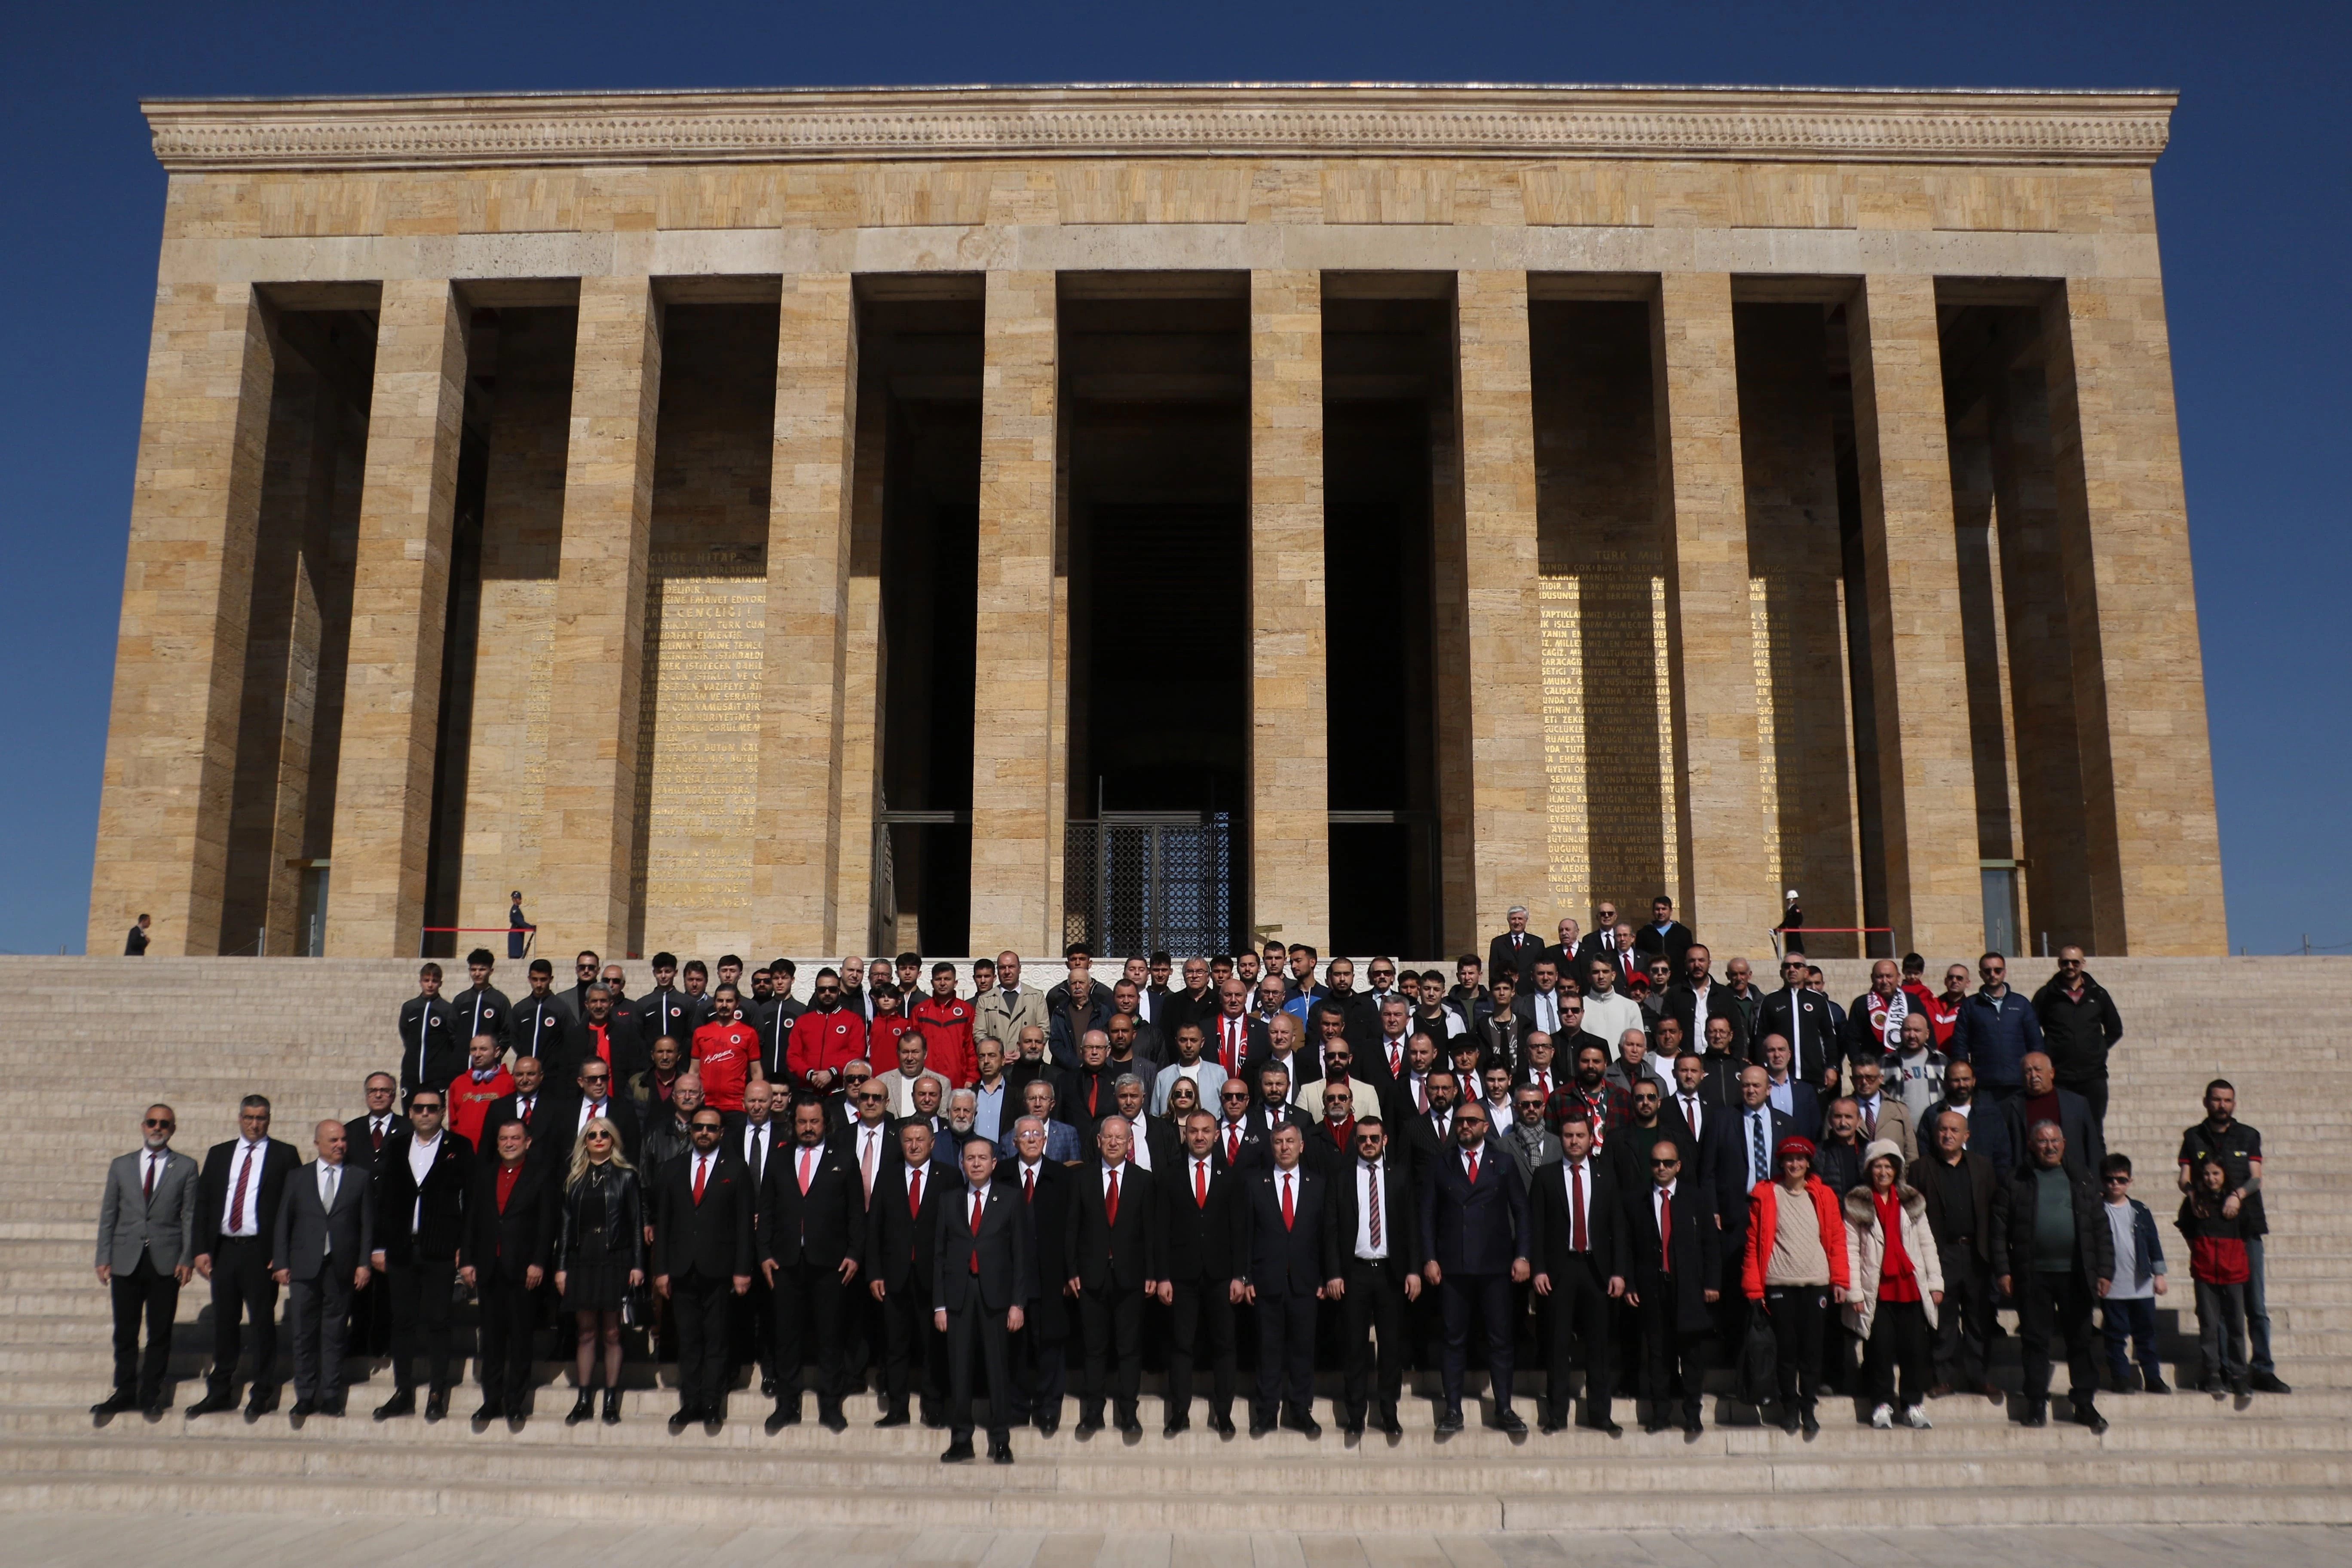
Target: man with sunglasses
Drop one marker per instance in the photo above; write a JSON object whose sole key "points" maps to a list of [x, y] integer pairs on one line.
{"points": [[146, 1237], [1672, 1282], [583, 970], [420, 1228], [702, 1206], [825, 1038], [591, 1096]]}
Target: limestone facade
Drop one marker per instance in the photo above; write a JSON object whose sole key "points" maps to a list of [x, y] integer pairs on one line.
{"points": [[1805, 510]]}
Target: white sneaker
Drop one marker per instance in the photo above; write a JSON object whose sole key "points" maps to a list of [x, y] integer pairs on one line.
{"points": [[1882, 1417], [1917, 1419]]}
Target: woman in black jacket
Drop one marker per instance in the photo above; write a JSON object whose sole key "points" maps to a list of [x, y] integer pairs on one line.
{"points": [[599, 1257]]}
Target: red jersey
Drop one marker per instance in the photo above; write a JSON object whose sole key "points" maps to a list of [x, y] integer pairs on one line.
{"points": [[946, 1028], [723, 1055], [1943, 1016], [469, 1099], [882, 1039], [824, 1041]]}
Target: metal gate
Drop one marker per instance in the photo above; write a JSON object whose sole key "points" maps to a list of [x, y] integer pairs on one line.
{"points": [[1147, 881]]}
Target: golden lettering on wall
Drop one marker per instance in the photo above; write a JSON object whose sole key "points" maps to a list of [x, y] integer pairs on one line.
{"points": [[1662, 656], [1563, 721], [1768, 755], [703, 633]]}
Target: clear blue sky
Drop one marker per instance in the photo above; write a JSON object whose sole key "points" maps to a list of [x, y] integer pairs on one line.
{"points": [[2253, 199]]}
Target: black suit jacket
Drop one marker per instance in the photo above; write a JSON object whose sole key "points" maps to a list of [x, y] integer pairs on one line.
{"points": [[278, 1160], [1731, 1184], [1696, 1246], [1102, 1255], [1259, 1043], [2085, 1144], [1674, 942], [898, 1241], [1480, 1229], [1005, 1248], [437, 1233], [502, 1245], [826, 1225], [1049, 1217], [358, 1147], [561, 1116], [1292, 1260], [1681, 1006], [1551, 1222], [1504, 955], [711, 1239], [1423, 1147], [1400, 1213], [508, 1108], [1254, 1151], [631, 1052], [1198, 1241], [1986, 1215]]}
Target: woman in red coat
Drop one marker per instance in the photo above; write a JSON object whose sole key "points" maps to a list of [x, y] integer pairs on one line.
{"points": [[1795, 1271]]}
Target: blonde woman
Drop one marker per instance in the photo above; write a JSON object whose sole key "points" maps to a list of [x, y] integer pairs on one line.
{"points": [[599, 1257]]}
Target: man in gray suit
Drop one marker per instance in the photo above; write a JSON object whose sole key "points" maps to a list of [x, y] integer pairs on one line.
{"points": [[326, 1228], [146, 1237]]}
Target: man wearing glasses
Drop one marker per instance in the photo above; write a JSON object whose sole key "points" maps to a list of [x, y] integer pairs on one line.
{"points": [[2079, 1027], [420, 1228], [1996, 1030], [146, 1237], [1676, 1261], [591, 1096]]}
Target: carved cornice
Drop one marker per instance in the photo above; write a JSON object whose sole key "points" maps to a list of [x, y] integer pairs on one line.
{"points": [[1776, 124]]}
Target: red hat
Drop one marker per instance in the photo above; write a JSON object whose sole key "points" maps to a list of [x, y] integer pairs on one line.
{"points": [[1794, 1144]]}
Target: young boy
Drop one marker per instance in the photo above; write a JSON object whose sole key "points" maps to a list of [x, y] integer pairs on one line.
{"points": [[2128, 1312]]}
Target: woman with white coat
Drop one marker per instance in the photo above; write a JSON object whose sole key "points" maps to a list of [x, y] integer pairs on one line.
{"points": [[1894, 1285]]}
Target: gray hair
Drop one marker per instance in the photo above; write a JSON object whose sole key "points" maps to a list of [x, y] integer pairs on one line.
{"points": [[1121, 1081]]}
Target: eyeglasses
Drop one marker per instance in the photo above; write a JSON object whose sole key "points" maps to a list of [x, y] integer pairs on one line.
{"points": [[419, 1109], [2116, 1181], [158, 1121], [1663, 1164], [600, 1138], [871, 1099]]}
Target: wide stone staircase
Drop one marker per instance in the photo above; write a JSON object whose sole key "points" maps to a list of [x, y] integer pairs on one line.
{"points": [[88, 1043]]}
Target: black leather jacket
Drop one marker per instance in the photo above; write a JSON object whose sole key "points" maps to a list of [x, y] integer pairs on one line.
{"points": [[625, 1224]]}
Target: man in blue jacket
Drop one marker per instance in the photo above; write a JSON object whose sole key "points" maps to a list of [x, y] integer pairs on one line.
{"points": [[1995, 1029]]}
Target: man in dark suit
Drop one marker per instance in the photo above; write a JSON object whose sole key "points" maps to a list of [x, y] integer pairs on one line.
{"points": [[1515, 951], [1376, 1225], [1039, 1353], [1698, 999], [1675, 1262], [364, 1136], [1241, 1138], [1474, 1213], [607, 1034], [1664, 933], [420, 1228], [901, 1224], [2042, 1101], [146, 1237], [1988, 1127], [1752, 1133], [319, 1246], [1234, 1039], [244, 1182], [1197, 1201], [811, 1229], [702, 1206], [510, 1223], [1789, 1093], [1429, 1137], [1578, 1252], [985, 1272], [1287, 1251], [1966, 1201], [591, 1096], [1112, 1250], [530, 1095]]}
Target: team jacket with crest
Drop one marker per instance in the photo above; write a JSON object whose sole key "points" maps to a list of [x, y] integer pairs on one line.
{"points": [[432, 1049], [825, 1042]]}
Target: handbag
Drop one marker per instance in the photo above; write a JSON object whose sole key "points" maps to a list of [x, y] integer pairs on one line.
{"points": [[637, 1307], [1760, 1360]]}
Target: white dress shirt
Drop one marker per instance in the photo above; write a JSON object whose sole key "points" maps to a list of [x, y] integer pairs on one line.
{"points": [[1365, 1246], [1568, 1171], [1694, 1110], [420, 1161], [1546, 1011], [330, 1178], [247, 1220]]}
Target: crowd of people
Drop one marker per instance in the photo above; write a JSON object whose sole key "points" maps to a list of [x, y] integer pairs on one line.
{"points": [[1591, 1155]]}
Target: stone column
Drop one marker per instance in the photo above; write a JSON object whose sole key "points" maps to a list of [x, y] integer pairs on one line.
{"points": [[2140, 693], [1722, 816], [1290, 782], [1935, 896], [1508, 790], [400, 600], [796, 854], [179, 660], [1014, 817], [589, 801]]}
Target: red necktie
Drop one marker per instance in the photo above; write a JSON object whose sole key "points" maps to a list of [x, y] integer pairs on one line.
{"points": [[376, 1136], [806, 1155], [975, 1231], [236, 1199], [1665, 1231], [1421, 1096], [1094, 1087], [1374, 1172], [1233, 1144], [1396, 1059], [1110, 1199], [147, 1188], [530, 1103], [1028, 1186], [1286, 1210], [1474, 1170], [1200, 1184], [701, 1173], [913, 1191], [1576, 1238], [1870, 1124]]}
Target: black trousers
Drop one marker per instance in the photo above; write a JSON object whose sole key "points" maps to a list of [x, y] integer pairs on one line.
{"points": [[242, 1287], [1373, 1306], [153, 1293], [912, 1351], [1040, 1368], [1488, 1297], [420, 1310], [2094, 1090], [1200, 1318], [509, 1319], [1801, 1316], [370, 1322], [1963, 1323], [809, 1302], [1674, 1364], [1898, 1341], [317, 1315], [1581, 1312], [699, 1305], [1286, 1353], [978, 1334], [1112, 1321], [751, 1327], [2060, 1304]]}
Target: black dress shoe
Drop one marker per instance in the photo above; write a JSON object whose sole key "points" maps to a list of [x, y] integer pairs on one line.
{"points": [[490, 1411], [1087, 1426], [1260, 1426], [1810, 1423], [1130, 1428], [714, 1420], [154, 1409], [1352, 1427], [1509, 1423], [958, 1453], [1692, 1423], [893, 1416], [2037, 1413], [1048, 1424], [582, 1408], [2087, 1415], [1605, 1427], [332, 1407], [1303, 1422], [831, 1418], [1176, 1424], [767, 1388], [115, 1403], [1386, 1420], [680, 1422], [304, 1409], [784, 1416], [2268, 1382], [402, 1403], [213, 1403], [1449, 1420], [1653, 1426], [1221, 1424], [612, 1407], [436, 1405], [999, 1452], [2155, 1384], [260, 1405]]}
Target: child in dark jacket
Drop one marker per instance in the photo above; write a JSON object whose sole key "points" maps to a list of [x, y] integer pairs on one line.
{"points": [[2217, 1262]]}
